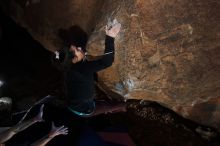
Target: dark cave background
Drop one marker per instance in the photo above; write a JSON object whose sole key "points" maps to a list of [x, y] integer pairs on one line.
{"points": [[25, 69]]}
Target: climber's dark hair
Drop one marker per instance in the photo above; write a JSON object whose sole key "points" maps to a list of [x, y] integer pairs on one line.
{"points": [[74, 36]]}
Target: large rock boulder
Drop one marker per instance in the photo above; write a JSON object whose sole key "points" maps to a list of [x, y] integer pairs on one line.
{"points": [[168, 51]]}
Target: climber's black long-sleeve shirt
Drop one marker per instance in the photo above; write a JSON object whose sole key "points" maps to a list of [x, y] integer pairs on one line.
{"points": [[80, 78]]}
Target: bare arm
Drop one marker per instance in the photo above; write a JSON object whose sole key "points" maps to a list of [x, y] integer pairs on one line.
{"points": [[55, 131], [43, 141], [6, 135]]}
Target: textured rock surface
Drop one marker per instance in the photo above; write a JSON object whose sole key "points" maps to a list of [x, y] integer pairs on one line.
{"points": [[167, 51]]}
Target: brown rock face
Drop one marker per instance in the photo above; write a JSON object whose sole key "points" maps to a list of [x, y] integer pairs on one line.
{"points": [[168, 51]]}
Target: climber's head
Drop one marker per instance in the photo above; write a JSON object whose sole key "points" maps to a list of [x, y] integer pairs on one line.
{"points": [[75, 39], [73, 45], [67, 56], [77, 54]]}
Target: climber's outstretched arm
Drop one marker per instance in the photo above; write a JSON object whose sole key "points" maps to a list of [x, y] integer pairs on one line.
{"points": [[108, 57]]}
